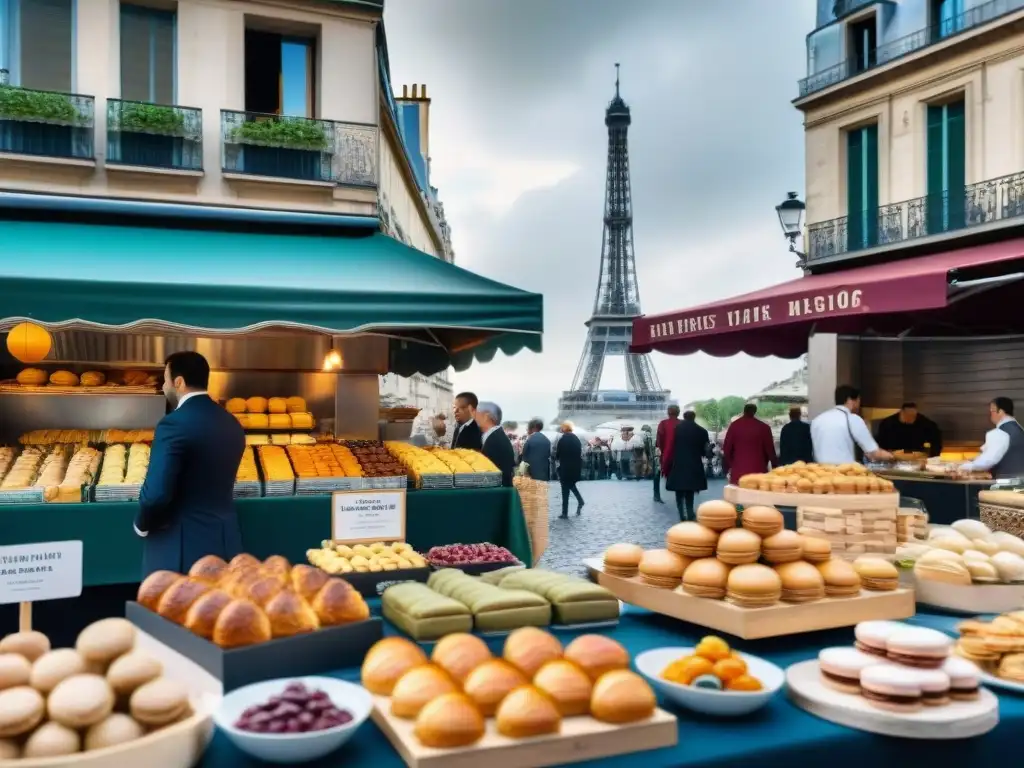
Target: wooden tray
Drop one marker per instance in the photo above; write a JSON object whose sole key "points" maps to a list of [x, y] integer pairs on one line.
{"points": [[54, 389], [968, 600], [755, 623], [582, 739], [956, 720], [850, 501]]}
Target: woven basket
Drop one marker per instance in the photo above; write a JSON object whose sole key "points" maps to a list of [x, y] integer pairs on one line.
{"points": [[533, 496]]}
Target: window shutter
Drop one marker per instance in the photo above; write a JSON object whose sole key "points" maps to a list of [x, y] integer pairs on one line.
{"points": [[163, 26], [956, 164], [935, 164], [870, 149], [854, 188], [46, 45], [147, 54]]}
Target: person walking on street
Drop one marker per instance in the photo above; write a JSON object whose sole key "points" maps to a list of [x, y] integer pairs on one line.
{"points": [[690, 446], [663, 442], [536, 452], [569, 453], [795, 440]]}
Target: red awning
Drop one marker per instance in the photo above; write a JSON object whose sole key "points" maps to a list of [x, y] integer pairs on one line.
{"points": [[881, 299]]}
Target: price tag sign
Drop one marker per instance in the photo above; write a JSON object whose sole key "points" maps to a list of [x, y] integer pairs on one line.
{"points": [[33, 572], [363, 517]]}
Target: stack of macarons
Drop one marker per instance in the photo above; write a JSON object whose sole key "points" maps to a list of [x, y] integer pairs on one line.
{"points": [[623, 560], [661, 568], [876, 573], [899, 668]]}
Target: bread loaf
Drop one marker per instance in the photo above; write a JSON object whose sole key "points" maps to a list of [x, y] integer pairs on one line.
{"points": [[93, 379], [64, 379], [32, 377]]}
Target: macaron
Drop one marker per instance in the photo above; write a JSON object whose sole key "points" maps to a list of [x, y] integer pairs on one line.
{"points": [[753, 586], [31, 645], [691, 540], [873, 636], [661, 568], [738, 546], [706, 577], [622, 559], [52, 740], [841, 666], [964, 680], [718, 515], [54, 666], [764, 521], [132, 670], [801, 582], [15, 670], [104, 640], [918, 647], [935, 686], [21, 710], [159, 703], [841, 579], [816, 550], [80, 701], [876, 574], [783, 547], [890, 687]]}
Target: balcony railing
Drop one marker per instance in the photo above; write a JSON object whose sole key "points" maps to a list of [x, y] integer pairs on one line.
{"points": [[154, 135], [904, 46], [977, 204], [45, 123], [299, 148]]}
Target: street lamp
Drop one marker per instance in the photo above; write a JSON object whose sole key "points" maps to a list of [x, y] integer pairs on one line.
{"points": [[791, 217]]}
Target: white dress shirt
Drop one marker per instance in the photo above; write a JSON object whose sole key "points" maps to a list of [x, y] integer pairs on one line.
{"points": [[833, 434], [184, 399], [490, 431], [997, 443]]}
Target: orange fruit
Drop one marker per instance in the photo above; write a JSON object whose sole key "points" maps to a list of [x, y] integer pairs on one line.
{"points": [[685, 670], [744, 683], [713, 648], [730, 668]]}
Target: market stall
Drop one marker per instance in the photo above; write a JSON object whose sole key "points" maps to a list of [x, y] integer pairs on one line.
{"points": [[299, 326]]}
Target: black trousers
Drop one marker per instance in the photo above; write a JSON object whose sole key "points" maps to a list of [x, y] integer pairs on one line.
{"points": [[657, 484], [684, 503], [568, 488]]}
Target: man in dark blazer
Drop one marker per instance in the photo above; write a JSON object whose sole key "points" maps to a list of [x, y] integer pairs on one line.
{"points": [[186, 507], [691, 444], [467, 432], [537, 451], [569, 454], [495, 443], [795, 440]]}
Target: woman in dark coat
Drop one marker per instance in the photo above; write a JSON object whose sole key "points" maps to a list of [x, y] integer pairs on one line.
{"points": [[686, 475], [569, 454]]}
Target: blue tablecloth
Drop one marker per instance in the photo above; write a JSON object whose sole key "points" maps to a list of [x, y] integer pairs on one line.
{"points": [[780, 735]]}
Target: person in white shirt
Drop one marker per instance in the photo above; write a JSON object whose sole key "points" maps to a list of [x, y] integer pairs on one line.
{"points": [[838, 432], [1003, 451]]}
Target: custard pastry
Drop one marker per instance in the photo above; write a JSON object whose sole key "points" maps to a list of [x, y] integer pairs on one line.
{"points": [[32, 377], [93, 379], [64, 379]]}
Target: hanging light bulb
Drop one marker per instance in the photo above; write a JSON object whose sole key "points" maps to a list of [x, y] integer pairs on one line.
{"points": [[332, 360], [29, 343]]}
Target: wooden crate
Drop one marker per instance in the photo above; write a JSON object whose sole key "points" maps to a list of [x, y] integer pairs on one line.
{"points": [[911, 525], [851, 501], [754, 623], [852, 532], [581, 739]]}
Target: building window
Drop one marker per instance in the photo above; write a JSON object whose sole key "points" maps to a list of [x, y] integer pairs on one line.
{"points": [[947, 17], [147, 54], [947, 167], [862, 187], [279, 74], [862, 38], [37, 43]]}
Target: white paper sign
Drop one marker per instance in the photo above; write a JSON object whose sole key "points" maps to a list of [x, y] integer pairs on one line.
{"points": [[33, 572], [367, 516]]}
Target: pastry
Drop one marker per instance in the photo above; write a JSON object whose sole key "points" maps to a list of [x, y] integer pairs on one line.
{"points": [[816, 550], [180, 596], [52, 740], [876, 574], [801, 582], [567, 685], [64, 379], [422, 613], [159, 702], [527, 712], [840, 668], [337, 603], [15, 670], [840, 577], [153, 588], [764, 521], [418, 686], [203, 614], [459, 654], [31, 645], [235, 405], [934, 685], [963, 678], [918, 647], [691, 540], [718, 515], [873, 636], [261, 590], [9, 750], [80, 701], [290, 615], [210, 568], [493, 608], [93, 379], [256, 405], [132, 671], [21, 710], [491, 682], [105, 640], [573, 600], [50, 668], [387, 661], [296, 404], [738, 546], [32, 377], [529, 649], [449, 721], [783, 547], [706, 577], [662, 568], [753, 586], [622, 697], [892, 688], [117, 729], [596, 654], [622, 559], [277, 405], [242, 622]]}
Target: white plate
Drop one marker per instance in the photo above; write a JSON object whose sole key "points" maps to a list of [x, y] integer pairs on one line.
{"points": [[710, 702], [997, 682], [293, 747]]}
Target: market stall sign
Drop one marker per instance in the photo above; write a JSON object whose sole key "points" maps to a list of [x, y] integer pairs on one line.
{"points": [[51, 570], [363, 517]]}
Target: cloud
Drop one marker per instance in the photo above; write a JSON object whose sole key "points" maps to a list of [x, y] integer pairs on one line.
{"points": [[519, 149]]}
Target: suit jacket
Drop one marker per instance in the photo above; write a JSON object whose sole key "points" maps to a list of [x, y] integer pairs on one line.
{"points": [[894, 435], [187, 501], [469, 436], [795, 443], [749, 448], [537, 453], [664, 440], [690, 445], [569, 454], [499, 450]]}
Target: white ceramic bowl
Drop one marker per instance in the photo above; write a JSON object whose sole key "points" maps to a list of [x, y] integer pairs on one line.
{"points": [[293, 747], [710, 702]]}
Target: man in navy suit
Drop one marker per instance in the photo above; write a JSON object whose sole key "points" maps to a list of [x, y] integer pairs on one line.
{"points": [[186, 507], [467, 432], [495, 443]]}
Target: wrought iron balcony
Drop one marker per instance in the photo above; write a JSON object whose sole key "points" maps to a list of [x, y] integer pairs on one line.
{"points": [[299, 148], [154, 135], [976, 205], [45, 123], [904, 46]]}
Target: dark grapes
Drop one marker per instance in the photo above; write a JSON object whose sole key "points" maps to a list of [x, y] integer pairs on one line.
{"points": [[296, 710], [454, 555]]}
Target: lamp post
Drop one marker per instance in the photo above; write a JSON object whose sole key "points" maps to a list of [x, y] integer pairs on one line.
{"points": [[791, 217]]}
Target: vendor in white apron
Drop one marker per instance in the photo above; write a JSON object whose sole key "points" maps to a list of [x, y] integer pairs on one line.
{"points": [[837, 433], [1003, 451]]}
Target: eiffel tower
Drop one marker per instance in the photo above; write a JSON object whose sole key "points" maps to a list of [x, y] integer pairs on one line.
{"points": [[616, 304]]}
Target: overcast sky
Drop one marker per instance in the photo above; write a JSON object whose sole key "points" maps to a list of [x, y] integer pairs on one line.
{"points": [[518, 148]]}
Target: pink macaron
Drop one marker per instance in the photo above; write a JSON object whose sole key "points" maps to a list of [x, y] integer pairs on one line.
{"points": [[840, 667], [872, 636], [964, 680], [934, 686], [892, 688], [919, 647]]}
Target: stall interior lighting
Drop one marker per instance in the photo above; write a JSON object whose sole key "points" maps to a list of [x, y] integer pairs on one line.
{"points": [[332, 360]]}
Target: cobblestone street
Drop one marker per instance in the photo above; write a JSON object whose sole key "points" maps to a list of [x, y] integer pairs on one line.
{"points": [[615, 511]]}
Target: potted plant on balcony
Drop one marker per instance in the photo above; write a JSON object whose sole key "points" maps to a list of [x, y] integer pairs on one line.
{"points": [[283, 146], [149, 134], [38, 122]]}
